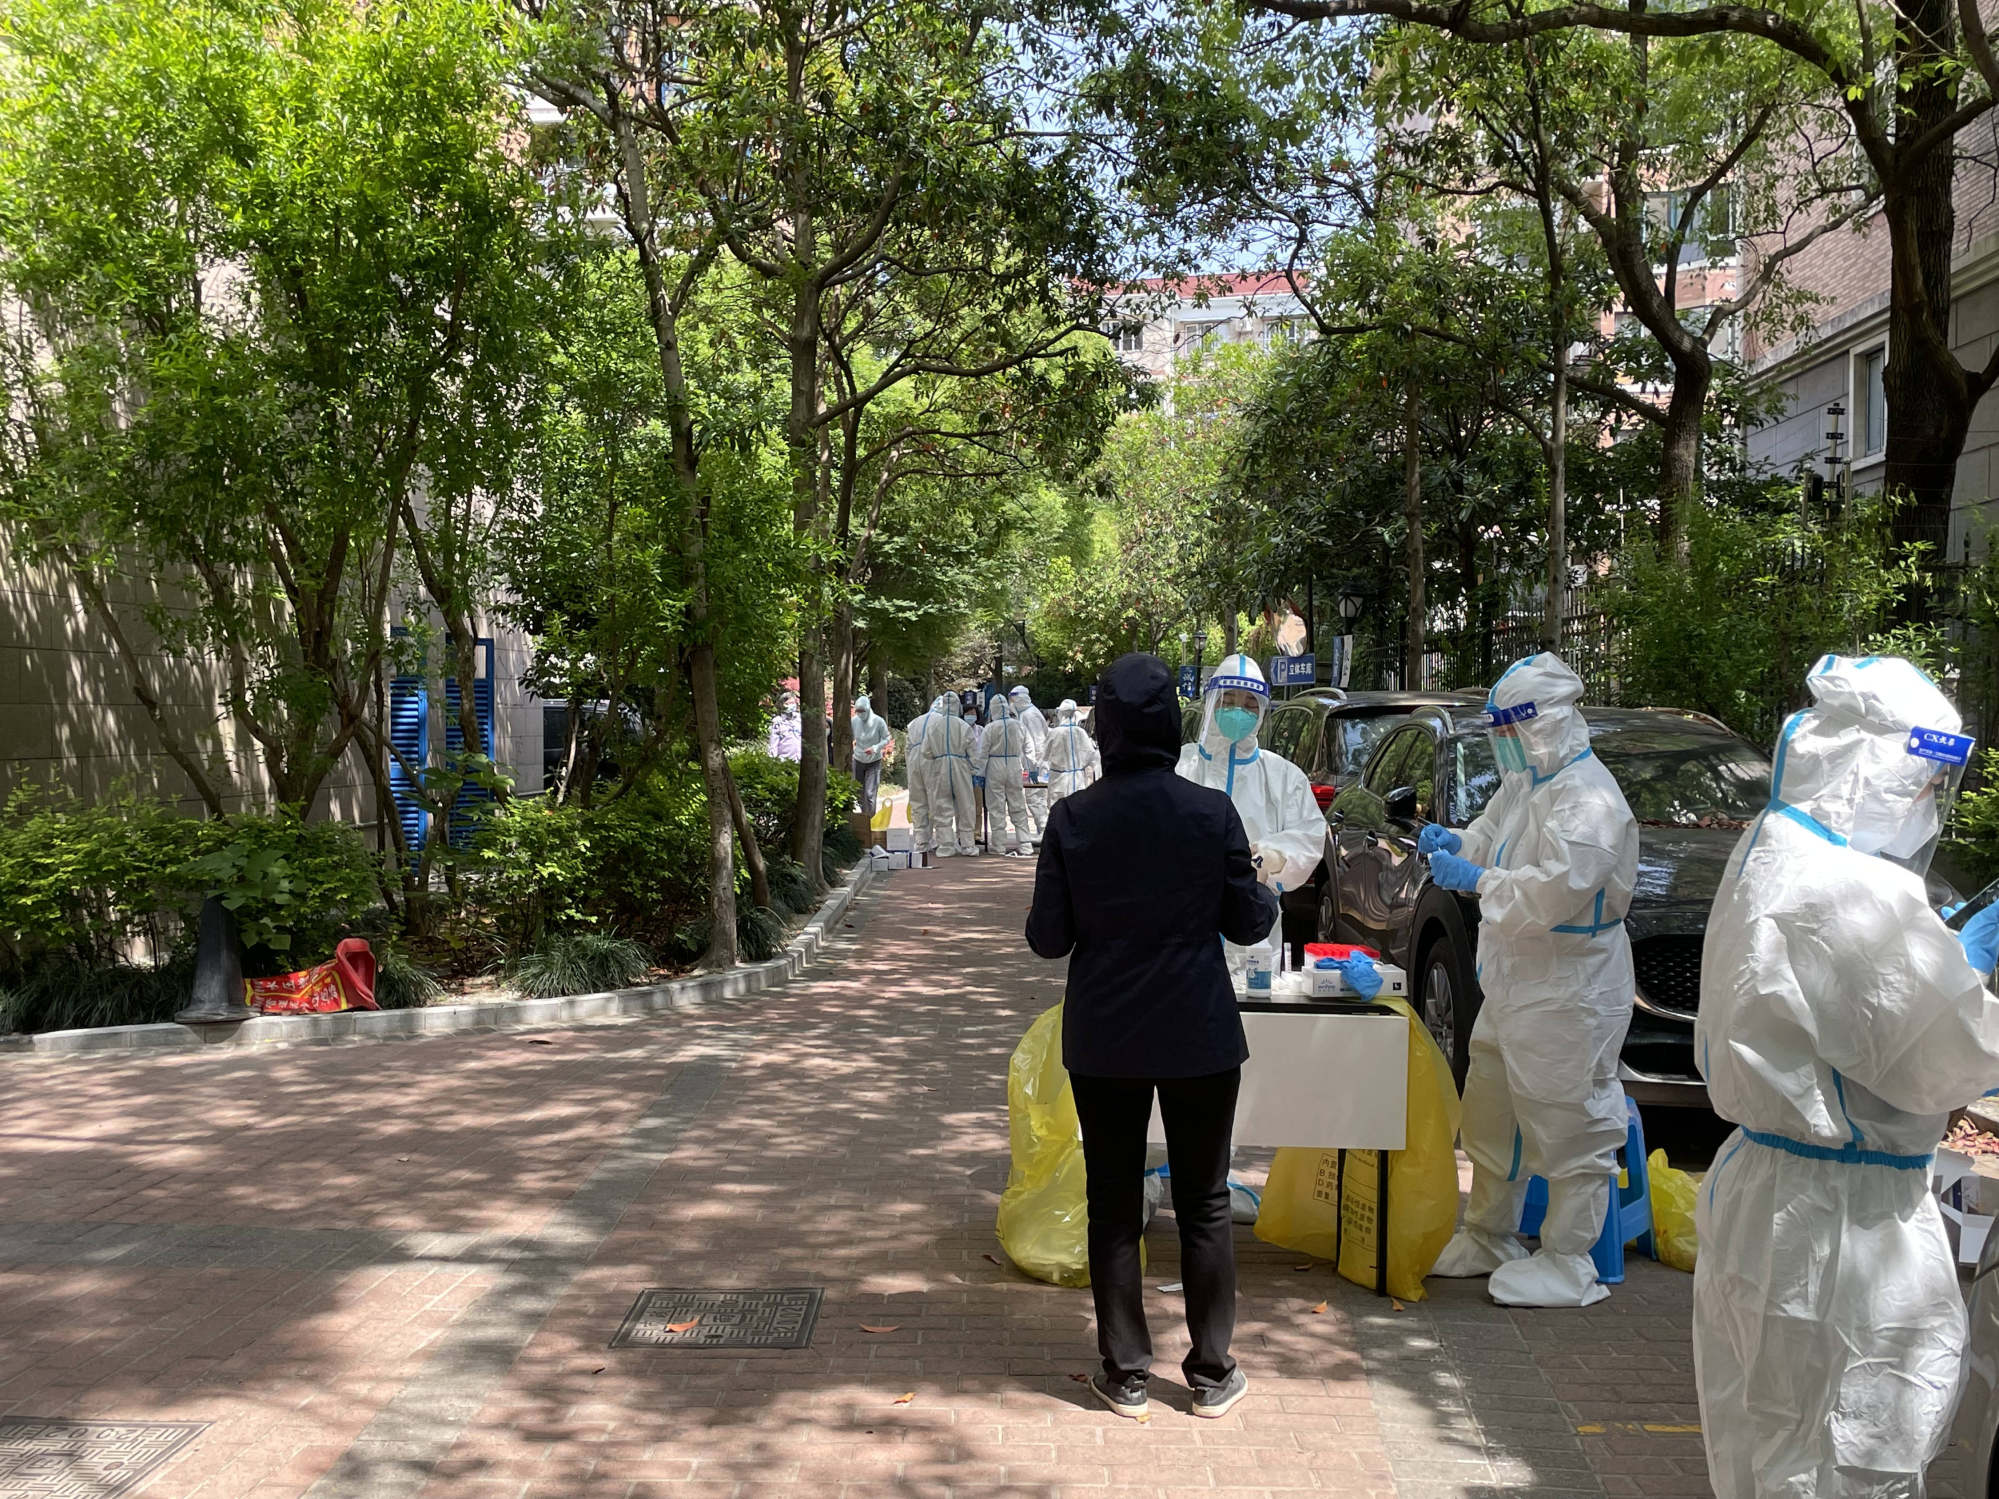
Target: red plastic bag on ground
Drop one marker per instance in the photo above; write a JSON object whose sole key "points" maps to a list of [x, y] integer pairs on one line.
{"points": [[345, 983]]}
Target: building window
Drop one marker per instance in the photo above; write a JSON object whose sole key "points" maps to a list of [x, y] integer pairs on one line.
{"points": [[1203, 335], [1710, 237], [1129, 338], [1872, 392]]}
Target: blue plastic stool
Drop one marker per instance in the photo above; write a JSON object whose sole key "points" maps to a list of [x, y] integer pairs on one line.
{"points": [[1630, 1214]]}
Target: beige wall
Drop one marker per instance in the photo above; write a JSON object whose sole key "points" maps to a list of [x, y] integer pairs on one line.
{"points": [[69, 716]]}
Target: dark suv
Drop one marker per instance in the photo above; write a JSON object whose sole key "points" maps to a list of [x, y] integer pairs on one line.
{"points": [[1693, 787], [1329, 735]]}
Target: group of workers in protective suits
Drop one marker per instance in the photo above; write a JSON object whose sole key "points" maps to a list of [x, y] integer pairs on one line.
{"points": [[1016, 763], [1841, 1021]]}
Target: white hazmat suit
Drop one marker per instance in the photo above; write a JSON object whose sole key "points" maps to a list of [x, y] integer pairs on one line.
{"points": [[1001, 754], [1035, 723], [943, 813], [1556, 854], [1840, 1023], [1286, 827], [1073, 758]]}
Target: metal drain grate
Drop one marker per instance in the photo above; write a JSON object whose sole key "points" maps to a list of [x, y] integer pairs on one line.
{"points": [[670, 1318], [54, 1459]]}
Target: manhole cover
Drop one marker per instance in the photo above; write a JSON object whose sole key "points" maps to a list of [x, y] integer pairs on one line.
{"points": [[668, 1318], [50, 1459]]}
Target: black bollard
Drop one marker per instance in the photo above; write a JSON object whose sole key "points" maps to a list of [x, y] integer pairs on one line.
{"points": [[218, 970]]}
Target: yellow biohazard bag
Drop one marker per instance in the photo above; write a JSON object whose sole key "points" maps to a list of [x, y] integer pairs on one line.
{"points": [[1306, 1198], [1044, 1223], [882, 815], [1673, 1194]]}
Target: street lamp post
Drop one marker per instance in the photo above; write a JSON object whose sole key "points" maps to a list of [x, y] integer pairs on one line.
{"points": [[1835, 436]]}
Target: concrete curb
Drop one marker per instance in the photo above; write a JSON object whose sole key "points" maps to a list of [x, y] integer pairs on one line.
{"points": [[678, 995]]}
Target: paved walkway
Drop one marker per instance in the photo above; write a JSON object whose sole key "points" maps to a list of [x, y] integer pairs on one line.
{"points": [[394, 1270]]}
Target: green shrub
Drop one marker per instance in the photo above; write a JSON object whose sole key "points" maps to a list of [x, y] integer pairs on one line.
{"points": [[64, 994], [85, 883], [295, 886], [533, 870], [760, 933], [579, 963], [790, 890], [402, 983]]}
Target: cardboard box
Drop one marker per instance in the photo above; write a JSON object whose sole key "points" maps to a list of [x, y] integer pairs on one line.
{"points": [[898, 839], [857, 823]]}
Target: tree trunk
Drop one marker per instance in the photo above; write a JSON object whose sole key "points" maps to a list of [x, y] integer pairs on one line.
{"points": [[1929, 397], [1680, 452], [1558, 492], [720, 790], [808, 828], [1415, 641], [746, 834], [843, 683]]}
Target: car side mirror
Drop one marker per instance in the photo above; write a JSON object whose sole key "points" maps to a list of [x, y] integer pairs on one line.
{"points": [[1402, 804]]}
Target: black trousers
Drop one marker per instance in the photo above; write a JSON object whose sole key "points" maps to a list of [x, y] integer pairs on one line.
{"points": [[1199, 1114], [870, 777]]}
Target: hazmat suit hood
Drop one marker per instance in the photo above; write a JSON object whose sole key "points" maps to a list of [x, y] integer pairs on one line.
{"points": [[862, 707], [1242, 673], [998, 710], [1555, 733], [1844, 762], [1138, 716], [1065, 712], [947, 702]]}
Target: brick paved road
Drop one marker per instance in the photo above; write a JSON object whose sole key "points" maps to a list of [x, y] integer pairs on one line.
{"points": [[394, 1270]]}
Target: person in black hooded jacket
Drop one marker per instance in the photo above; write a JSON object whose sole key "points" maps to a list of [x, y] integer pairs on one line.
{"points": [[1141, 878]]}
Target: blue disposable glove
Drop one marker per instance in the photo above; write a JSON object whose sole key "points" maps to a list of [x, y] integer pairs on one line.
{"points": [[1980, 939], [978, 783], [1361, 975], [1436, 836], [1452, 873]]}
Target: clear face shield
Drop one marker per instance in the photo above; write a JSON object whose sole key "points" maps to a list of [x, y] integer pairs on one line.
{"points": [[1237, 712], [1927, 782], [1502, 730]]}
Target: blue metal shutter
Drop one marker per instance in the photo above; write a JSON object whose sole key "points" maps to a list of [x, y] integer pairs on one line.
{"points": [[409, 733], [469, 797]]}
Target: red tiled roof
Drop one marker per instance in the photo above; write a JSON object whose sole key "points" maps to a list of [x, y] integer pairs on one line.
{"points": [[1223, 284]]}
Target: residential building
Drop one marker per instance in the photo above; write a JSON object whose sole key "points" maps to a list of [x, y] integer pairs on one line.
{"points": [[1173, 318], [1840, 359]]}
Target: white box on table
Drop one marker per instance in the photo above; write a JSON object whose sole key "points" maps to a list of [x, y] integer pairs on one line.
{"points": [[896, 840], [1330, 983]]}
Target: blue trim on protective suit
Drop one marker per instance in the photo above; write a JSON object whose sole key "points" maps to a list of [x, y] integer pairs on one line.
{"points": [[1513, 1171], [1849, 1154], [1777, 802], [1839, 1090], [1595, 924], [1492, 697], [1542, 780]]}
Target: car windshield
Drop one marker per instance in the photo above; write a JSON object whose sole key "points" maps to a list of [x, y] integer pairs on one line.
{"points": [[1353, 737], [1674, 774]]}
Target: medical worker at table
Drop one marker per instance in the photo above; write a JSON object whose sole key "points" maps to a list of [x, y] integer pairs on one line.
{"points": [[1553, 859], [1840, 1023], [1286, 827]]}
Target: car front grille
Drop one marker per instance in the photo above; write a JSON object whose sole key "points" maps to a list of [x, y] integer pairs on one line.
{"points": [[1669, 973]]}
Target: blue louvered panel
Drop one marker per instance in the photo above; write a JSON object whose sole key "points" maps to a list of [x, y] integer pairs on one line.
{"points": [[469, 797], [409, 732]]}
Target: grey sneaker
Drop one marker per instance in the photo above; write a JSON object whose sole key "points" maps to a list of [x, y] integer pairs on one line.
{"points": [[1222, 1399], [1126, 1397]]}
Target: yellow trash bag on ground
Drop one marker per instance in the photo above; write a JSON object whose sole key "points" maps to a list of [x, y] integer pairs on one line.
{"points": [[1302, 1204], [880, 821], [1044, 1222], [1673, 1194]]}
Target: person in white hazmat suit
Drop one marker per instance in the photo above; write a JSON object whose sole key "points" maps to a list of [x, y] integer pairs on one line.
{"points": [[1286, 828], [1553, 859], [1035, 723], [1073, 758], [940, 763], [1840, 1023], [1002, 753]]}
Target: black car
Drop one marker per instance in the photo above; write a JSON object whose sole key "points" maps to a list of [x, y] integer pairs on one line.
{"points": [[1693, 787], [1329, 735]]}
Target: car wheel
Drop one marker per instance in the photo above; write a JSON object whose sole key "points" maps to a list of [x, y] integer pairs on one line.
{"points": [[1446, 1003], [1329, 911]]}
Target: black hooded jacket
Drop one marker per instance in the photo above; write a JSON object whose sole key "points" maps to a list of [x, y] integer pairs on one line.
{"points": [[1141, 877]]}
